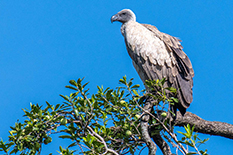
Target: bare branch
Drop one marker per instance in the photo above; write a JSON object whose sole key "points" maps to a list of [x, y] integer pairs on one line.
{"points": [[164, 147], [204, 126], [144, 129]]}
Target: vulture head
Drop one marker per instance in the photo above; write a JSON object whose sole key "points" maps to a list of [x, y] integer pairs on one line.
{"points": [[124, 16]]}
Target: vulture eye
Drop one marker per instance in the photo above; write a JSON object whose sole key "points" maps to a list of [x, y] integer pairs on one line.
{"points": [[124, 13]]}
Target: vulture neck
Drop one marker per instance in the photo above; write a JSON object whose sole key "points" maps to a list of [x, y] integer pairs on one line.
{"points": [[124, 25]]}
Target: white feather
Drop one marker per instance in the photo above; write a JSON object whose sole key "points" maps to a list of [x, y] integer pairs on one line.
{"points": [[146, 44]]}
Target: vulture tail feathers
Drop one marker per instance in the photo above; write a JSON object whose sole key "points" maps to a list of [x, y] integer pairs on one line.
{"points": [[184, 61], [185, 91]]}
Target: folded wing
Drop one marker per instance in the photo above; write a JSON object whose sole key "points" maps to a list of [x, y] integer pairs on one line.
{"points": [[169, 62]]}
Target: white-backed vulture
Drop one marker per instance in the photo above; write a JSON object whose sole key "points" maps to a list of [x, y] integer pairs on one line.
{"points": [[157, 55]]}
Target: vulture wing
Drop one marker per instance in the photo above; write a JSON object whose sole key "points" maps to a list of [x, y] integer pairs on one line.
{"points": [[183, 81], [164, 58]]}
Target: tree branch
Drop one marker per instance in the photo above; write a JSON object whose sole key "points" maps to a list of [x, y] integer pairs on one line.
{"points": [[144, 129], [164, 147], [204, 126]]}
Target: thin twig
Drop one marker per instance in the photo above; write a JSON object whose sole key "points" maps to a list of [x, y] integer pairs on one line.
{"points": [[102, 141], [141, 150]]}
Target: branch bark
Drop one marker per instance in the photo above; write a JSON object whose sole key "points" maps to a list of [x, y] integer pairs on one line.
{"points": [[144, 129], [203, 126], [164, 147]]}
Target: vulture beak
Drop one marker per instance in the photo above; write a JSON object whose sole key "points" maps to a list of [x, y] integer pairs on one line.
{"points": [[114, 18]]}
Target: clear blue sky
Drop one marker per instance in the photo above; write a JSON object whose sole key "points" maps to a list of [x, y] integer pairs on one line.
{"points": [[44, 44]]}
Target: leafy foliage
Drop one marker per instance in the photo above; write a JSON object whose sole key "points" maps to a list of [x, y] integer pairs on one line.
{"points": [[191, 139], [101, 123]]}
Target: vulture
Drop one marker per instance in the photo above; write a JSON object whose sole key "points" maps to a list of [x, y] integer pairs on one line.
{"points": [[157, 55]]}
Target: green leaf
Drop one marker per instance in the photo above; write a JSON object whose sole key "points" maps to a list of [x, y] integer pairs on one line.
{"points": [[124, 77], [108, 94], [85, 84], [72, 82], [82, 117], [190, 153], [73, 144], [79, 80], [76, 112], [70, 87], [182, 133], [135, 86], [122, 81], [57, 106], [193, 127], [203, 141], [203, 153], [171, 89], [174, 99], [163, 81], [49, 105], [135, 92], [100, 89], [130, 83]]}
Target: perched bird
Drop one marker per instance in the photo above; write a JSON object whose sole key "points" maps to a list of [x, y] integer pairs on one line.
{"points": [[157, 55]]}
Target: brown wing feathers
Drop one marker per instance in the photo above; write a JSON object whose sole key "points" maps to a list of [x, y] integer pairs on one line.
{"points": [[180, 76]]}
